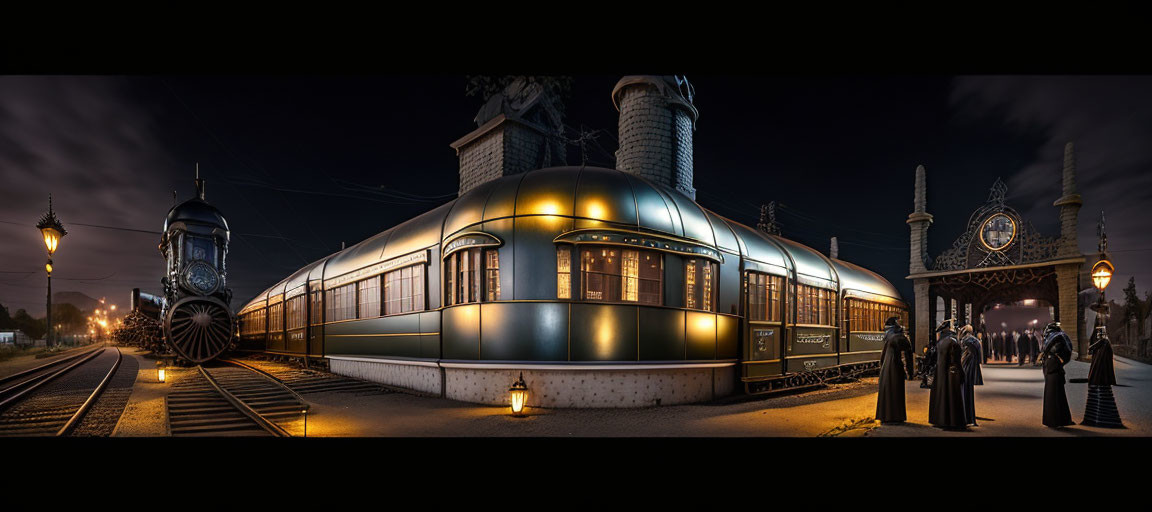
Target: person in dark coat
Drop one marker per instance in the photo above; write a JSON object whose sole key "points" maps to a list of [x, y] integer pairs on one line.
{"points": [[946, 402], [893, 373], [985, 346], [1102, 372], [1057, 352], [1021, 347], [970, 362]]}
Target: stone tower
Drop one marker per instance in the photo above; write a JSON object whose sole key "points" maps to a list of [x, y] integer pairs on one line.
{"points": [[1068, 275], [1069, 204], [519, 130], [918, 221], [657, 119]]}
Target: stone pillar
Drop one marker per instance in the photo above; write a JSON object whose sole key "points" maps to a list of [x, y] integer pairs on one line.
{"points": [[1069, 204], [924, 313], [918, 221], [1067, 312], [655, 129]]}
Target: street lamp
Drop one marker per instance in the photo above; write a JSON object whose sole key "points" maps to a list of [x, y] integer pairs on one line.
{"points": [[519, 396], [53, 231]]}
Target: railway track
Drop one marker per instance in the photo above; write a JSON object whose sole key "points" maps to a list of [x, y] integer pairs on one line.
{"points": [[53, 399], [305, 381], [232, 401]]}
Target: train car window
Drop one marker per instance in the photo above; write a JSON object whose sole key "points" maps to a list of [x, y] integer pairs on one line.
{"points": [[815, 305], [369, 297], [764, 297], [317, 307], [340, 303], [296, 312], [563, 273], [404, 290], [700, 284], [276, 317], [417, 288], [622, 275], [492, 274], [465, 269]]}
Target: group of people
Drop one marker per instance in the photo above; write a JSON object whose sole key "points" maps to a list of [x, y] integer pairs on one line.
{"points": [[951, 369], [1004, 346]]}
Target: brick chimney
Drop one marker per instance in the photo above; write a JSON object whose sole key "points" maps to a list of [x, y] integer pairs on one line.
{"points": [[517, 132], [657, 119]]}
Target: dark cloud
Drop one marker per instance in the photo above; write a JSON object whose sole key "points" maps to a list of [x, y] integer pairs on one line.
{"points": [[90, 144], [1109, 120]]}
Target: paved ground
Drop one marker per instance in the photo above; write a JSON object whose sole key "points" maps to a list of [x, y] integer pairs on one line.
{"points": [[1009, 404]]}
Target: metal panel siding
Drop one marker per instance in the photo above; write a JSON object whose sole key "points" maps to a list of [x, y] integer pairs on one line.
{"points": [[727, 337], [604, 194], [535, 257], [813, 340], [430, 327], [468, 209], [661, 334], [416, 234], [296, 342], [546, 192], [856, 358], [725, 239], [700, 329], [653, 211], [461, 332], [808, 261], [864, 341], [524, 331], [395, 346], [696, 225], [730, 285], [603, 332], [855, 277], [502, 201], [758, 248], [753, 371]]}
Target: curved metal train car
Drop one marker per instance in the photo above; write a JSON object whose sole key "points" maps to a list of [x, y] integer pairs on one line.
{"points": [[580, 268]]}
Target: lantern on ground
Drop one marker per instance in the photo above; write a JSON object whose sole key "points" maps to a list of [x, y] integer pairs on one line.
{"points": [[160, 377], [518, 394]]}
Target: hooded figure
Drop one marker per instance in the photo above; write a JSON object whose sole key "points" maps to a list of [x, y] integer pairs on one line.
{"points": [[946, 402], [890, 399], [970, 361], [1100, 410], [1057, 352]]}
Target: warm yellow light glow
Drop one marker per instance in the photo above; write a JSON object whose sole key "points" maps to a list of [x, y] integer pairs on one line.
{"points": [[113, 307], [518, 395], [48, 267], [1101, 275], [160, 375], [51, 239], [595, 210]]}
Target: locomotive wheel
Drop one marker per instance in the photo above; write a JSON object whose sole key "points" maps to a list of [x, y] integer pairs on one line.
{"points": [[198, 328]]}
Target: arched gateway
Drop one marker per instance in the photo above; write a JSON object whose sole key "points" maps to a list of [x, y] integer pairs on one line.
{"points": [[999, 259]]}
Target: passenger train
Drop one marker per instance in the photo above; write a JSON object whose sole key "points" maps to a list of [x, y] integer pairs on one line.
{"points": [[580, 268]]}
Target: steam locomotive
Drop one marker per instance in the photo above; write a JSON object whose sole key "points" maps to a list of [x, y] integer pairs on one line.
{"points": [[197, 319]]}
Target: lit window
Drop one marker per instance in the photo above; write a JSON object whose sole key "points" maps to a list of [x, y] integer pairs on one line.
{"points": [[700, 284], [369, 297], [622, 275], [814, 305], [764, 297], [464, 276], [296, 312], [492, 274], [340, 303], [404, 290], [317, 307], [563, 273]]}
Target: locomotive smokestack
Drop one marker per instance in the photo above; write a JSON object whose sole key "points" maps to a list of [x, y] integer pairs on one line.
{"points": [[655, 128], [199, 184]]}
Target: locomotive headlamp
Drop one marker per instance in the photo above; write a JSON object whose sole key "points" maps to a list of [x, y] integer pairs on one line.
{"points": [[519, 396], [1102, 274]]}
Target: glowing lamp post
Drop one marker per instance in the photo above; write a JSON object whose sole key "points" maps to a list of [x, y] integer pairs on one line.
{"points": [[519, 396], [160, 377], [1102, 273], [53, 231]]}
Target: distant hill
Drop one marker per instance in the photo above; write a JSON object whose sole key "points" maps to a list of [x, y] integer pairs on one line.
{"points": [[81, 301]]}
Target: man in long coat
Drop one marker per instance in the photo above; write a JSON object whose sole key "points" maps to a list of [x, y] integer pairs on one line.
{"points": [[946, 402], [970, 361], [890, 399], [1022, 342], [1057, 351]]}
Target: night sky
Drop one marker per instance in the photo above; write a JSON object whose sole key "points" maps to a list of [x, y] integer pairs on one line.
{"points": [[297, 164]]}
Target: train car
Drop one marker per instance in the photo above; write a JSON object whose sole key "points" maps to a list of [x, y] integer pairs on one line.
{"points": [[597, 284]]}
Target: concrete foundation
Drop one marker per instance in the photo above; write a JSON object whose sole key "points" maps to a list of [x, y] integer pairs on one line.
{"points": [[585, 386]]}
